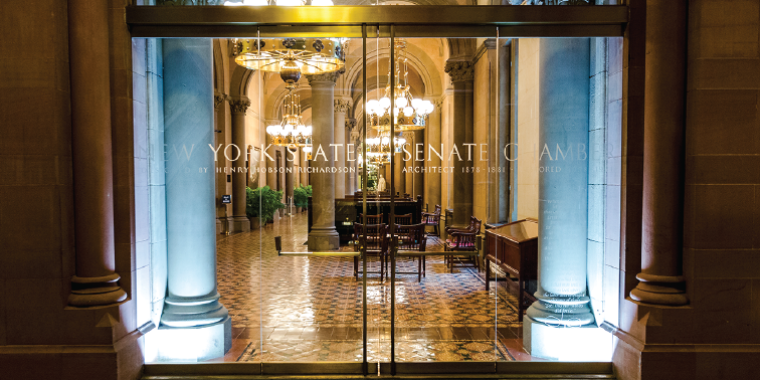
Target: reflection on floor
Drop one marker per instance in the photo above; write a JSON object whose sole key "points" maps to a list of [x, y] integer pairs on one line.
{"points": [[310, 308]]}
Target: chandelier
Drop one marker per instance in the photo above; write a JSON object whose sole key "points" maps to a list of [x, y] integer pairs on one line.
{"points": [[291, 132], [379, 149], [291, 57], [409, 113]]}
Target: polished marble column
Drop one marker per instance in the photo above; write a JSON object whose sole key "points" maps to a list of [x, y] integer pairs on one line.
{"points": [[96, 282], [462, 75], [323, 235], [341, 106], [238, 153], [192, 307], [562, 316], [661, 279]]}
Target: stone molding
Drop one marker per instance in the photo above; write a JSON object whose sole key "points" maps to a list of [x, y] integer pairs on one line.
{"points": [[342, 105], [460, 71], [488, 44], [239, 105]]}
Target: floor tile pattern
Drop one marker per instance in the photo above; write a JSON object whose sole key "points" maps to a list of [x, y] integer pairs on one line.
{"points": [[310, 308]]}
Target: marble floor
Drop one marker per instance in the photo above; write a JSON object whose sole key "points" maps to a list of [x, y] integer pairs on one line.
{"points": [[309, 309]]}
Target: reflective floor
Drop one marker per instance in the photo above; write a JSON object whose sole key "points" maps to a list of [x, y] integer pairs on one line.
{"points": [[309, 309]]}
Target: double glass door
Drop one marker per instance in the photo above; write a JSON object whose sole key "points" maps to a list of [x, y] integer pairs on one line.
{"points": [[362, 274], [391, 224]]}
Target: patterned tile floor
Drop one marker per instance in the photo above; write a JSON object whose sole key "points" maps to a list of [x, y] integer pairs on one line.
{"points": [[310, 308]]}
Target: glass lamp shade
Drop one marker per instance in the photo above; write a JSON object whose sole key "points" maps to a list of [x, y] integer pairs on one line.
{"points": [[401, 102], [322, 3], [289, 3], [385, 102]]}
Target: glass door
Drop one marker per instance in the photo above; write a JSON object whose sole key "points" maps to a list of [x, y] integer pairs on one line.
{"points": [[391, 224]]}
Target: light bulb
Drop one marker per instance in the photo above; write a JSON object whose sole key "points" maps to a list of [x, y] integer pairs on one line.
{"points": [[372, 106], [288, 3], [385, 103], [321, 3], [255, 3], [307, 131], [401, 102], [299, 129], [429, 107], [417, 103], [408, 111], [287, 130]]}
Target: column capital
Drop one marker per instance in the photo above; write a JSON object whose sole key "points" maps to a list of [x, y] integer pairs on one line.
{"points": [[325, 77], [351, 124], [219, 98], [342, 106], [239, 105], [460, 71]]}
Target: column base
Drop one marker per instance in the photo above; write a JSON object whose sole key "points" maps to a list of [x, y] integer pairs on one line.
{"points": [[660, 290], [240, 224], [189, 344], [323, 239], [561, 311], [586, 343], [96, 291]]}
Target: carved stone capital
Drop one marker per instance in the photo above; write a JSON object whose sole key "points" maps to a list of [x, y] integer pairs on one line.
{"points": [[325, 77], [460, 71], [239, 105], [351, 124], [342, 105], [218, 99]]}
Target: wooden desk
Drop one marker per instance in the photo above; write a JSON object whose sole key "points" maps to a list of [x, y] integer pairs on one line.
{"points": [[514, 248]]}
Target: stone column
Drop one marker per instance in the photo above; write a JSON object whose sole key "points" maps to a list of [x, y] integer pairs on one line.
{"points": [[399, 177], [96, 282], [418, 176], [432, 161], [408, 164], [238, 153], [661, 279], [271, 165], [323, 235], [351, 138], [221, 162], [192, 312], [462, 75], [340, 106], [551, 328]]}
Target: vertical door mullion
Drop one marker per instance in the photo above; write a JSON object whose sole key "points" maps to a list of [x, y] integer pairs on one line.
{"points": [[363, 245], [392, 217]]}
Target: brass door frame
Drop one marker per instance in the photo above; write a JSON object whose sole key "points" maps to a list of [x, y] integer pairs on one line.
{"points": [[346, 21], [392, 22]]}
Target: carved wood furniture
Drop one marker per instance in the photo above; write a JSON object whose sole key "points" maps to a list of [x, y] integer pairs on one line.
{"points": [[375, 238], [411, 237], [433, 219], [462, 241], [513, 247]]}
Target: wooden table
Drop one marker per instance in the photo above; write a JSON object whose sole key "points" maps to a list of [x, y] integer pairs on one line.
{"points": [[514, 248]]}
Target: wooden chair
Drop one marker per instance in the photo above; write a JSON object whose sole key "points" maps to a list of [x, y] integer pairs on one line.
{"points": [[372, 219], [463, 242], [375, 238], [411, 237], [433, 219], [404, 219]]}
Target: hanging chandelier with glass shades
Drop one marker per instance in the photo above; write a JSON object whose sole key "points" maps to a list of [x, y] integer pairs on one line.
{"points": [[409, 113], [291, 132], [379, 149]]}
